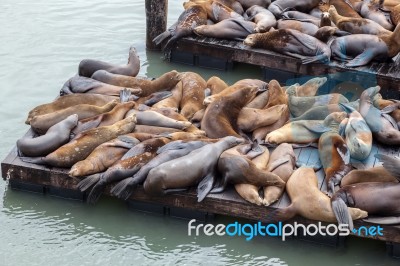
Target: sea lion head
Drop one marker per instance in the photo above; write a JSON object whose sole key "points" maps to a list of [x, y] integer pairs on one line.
{"points": [[370, 93], [335, 118], [72, 120], [291, 90], [251, 39], [249, 93], [325, 19], [233, 141]]}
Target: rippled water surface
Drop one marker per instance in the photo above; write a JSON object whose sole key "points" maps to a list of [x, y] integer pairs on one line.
{"points": [[42, 43]]}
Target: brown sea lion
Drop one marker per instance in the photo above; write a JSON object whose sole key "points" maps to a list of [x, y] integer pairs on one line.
{"points": [[388, 105], [249, 3], [177, 116], [395, 15], [232, 28], [172, 101], [260, 101], [192, 94], [375, 174], [308, 201], [88, 66], [250, 119], [300, 16], [333, 152], [311, 87], [277, 94], [157, 119], [55, 137], [263, 18], [220, 118], [80, 148], [68, 101], [167, 81], [78, 84], [345, 8], [279, 6], [233, 4], [370, 9], [292, 43], [216, 11], [42, 123], [302, 26], [383, 127], [356, 25], [216, 85], [358, 136], [154, 130], [174, 175], [194, 15]]}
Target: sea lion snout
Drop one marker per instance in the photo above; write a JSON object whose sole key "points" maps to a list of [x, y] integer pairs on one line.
{"points": [[249, 40]]}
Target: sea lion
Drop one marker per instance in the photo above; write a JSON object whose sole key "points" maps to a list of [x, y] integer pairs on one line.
{"points": [[153, 118], [54, 138], [356, 25], [358, 136], [232, 28], [154, 130], [311, 87], [174, 175], [277, 94], [78, 84], [192, 94], [383, 127], [168, 152], [327, 34], [174, 115], [308, 201], [279, 6], [263, 18], [194, 15], [375, 174], [300, 16], [249, 3], [220, 118], [302, 26], [216, 85], [233, 4], [292, 43], [392, 107], [68, 101], [333, 152], [250, 119], [216, 11], [395, 15], [103, 156], [88, 66], [80, 148], [344, 8], [167, 81], [370, 9], [42, 123], [260, 101], [299, 105], [172, 101]]}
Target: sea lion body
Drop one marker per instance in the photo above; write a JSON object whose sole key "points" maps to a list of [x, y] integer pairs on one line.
{"points": [[154, 130], [321, 112], [250, 119], [153, 118], [172, 101], [232, 28], [358, 136], [263, 18], [279, 6], [260, 101], [216, 11], [177, 116], [370, 10], [192, 94], [277, 94], [375, 174], [302, 26], [300, 16], [249, 3], [216, 85], [295, 132], [55, 137], [344, 8], [311, 87]]}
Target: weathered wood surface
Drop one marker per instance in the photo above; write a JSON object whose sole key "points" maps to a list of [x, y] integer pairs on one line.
{"points": [[387, 75], [156, 21]]}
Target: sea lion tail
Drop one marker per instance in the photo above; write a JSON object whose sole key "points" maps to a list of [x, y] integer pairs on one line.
{"points": [[95, 193], [123, 190], [160, 38], [341, 212], [392, 165], [35, 160], [280, 215], [205, 186], [124, 95], [89, 181]]}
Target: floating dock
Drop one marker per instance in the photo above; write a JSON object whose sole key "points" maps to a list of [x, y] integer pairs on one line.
{"points": [[56, 182]]}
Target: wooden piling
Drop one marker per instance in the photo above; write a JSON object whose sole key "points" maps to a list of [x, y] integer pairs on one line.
{"points": [[156, 21]]}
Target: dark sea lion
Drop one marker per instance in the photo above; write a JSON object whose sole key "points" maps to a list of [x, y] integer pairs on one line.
{"points": [[202, 163], [311, 87], [249, 3], [80, 148], [279, 6], [216, 85], [68, 101], [166, 153], [302, 26], [88, 66], [277, 94], [358, 136], [383, 127], [194, 15], [263, 18], [232, 28], [250, 119], [103, 156], [55, 137], [192, 94], [327, 34], [370, 10], [345, 8], [220, 118], [333, 152], [375, 174], [308, 201], [356, 25], [78, 84], [299, 105], [292, 43], [172, 101], [167, 81], [42, 123]]}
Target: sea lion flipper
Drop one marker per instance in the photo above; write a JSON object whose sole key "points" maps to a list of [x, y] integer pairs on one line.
{"points": [[95, 193], [392, 165], [391, 120], [347, 107], [124, 95], [160, 38], [342, 212], [205, 186], [127, 141], [89, 181], [276, 164], [123, 189], [361, 59], [344, 153], [35, 160], [157, 96], [284, 214], [390, 108], [175, 145], [317, 128]]}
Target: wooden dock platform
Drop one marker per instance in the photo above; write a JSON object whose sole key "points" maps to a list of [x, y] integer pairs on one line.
{"points": [[56, 182]]}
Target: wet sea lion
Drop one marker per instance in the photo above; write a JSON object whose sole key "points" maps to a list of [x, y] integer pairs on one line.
{"points": [[302, 26], [192, 94], [358, 136], [250, 119], [375, 174], [232, 28], [78, 84], [392, 107], [216, 11], [370, 10], [311, 87], [172, 101], [333, 152], [174, 175], [216, 85], [42, 123], [308, 201], [54, 138], [383, 127], [279, 6], [220, 118], [327, 34], [249, 3], [168, 152], [68, 101], [344, 8], [277, 94], [80, 148], [88, 66], [194, 15], [292, 43], [167, 81], [263, 18], [103, 156]]}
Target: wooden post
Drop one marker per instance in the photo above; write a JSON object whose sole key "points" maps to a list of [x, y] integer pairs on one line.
{"points": [[156, 21]]}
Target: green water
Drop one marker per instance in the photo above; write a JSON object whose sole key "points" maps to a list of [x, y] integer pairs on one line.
{"points": [[41, 45]]}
